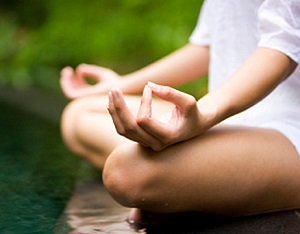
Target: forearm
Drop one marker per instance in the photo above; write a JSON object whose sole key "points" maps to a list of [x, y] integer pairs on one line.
{"points": [[184, 65], [253, 81]]}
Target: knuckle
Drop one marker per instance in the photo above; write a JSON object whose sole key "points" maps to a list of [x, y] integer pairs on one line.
{"points": [[168, 91], [141, 120], [118, 108], [167, 141], [171, 139], [128, 128], [157, 147], [121, 131], [143, 102], [190, 102]]}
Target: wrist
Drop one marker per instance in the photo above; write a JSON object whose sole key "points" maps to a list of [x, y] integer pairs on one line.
{"points": [[212, 111]]}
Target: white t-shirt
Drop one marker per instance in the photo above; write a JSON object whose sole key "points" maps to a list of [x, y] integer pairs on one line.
{"points": [[233, 29]]}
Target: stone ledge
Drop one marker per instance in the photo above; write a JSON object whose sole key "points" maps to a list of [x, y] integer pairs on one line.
{"points": [[92, 210]]}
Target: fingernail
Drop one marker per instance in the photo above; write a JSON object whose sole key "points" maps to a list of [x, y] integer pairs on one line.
{"points": [[110, 97], [147, 87], [130, 217], [153, 85], [114, 94]]}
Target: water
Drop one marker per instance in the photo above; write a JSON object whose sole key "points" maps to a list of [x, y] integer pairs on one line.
{"points": [[37, 173]]}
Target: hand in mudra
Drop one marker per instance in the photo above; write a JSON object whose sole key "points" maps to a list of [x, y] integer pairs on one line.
{"points": [[74, 82], [184, 122]]}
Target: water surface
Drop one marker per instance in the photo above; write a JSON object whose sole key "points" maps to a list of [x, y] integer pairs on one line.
{"points": [[37, 173]]}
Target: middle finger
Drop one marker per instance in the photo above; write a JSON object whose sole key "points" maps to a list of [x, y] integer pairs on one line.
{"points": [[125, 122]]}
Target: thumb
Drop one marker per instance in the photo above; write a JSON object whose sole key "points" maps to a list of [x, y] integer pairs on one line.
{"points": [[95, 72]]}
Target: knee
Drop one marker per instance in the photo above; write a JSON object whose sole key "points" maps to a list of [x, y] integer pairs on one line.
{"points": [[127, 178], [68, 125]]}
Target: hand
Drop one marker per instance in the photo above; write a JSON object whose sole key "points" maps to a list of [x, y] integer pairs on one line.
{"points": [[157, 133], [75, 85]]}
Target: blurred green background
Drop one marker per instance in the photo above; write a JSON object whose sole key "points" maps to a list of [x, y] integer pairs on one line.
{"points": [[39, 37]]}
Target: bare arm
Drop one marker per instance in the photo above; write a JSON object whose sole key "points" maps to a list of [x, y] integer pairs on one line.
{"points": [[254, 80], [184, 65]]}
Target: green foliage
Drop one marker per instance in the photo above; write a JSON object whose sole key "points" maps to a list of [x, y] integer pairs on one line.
{"points": [[40, 37]]}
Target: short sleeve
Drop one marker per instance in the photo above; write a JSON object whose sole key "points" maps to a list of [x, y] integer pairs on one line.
{"points": [[201, 35], [279, 26]]}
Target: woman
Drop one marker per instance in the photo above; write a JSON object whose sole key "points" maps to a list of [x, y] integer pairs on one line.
{"points": [[235, 151]]}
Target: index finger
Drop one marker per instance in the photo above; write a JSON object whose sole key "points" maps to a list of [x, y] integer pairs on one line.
{"points": [[92, 71], [180, 99], [145, 110]]}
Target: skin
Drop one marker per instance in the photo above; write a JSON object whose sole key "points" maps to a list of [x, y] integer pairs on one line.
{"points": [[154, 148], [86, 117]]}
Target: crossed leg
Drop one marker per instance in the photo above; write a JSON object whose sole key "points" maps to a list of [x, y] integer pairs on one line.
{"points": [[228, 170]]}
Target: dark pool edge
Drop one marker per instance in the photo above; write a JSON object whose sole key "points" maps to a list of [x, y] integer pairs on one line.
{"points": [[43, 103]]}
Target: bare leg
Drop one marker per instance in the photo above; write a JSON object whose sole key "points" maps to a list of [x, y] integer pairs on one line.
{"points": [[227, 171], [88, 130]]}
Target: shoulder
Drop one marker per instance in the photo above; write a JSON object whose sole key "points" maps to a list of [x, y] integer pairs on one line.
{"points": [[279, 26]]}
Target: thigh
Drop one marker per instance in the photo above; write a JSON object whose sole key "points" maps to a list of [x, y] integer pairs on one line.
{"points": [[228, 170]]}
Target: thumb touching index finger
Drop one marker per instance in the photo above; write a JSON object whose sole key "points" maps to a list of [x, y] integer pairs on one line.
{"points": [[178, 98], [91, 71]]}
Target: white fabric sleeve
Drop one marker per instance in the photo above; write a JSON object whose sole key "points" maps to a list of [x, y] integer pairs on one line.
{"points": [[279, 27], [201, 35]]}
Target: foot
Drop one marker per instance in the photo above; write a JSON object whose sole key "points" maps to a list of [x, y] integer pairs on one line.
{"points": [[135, 216], [138, 217]]}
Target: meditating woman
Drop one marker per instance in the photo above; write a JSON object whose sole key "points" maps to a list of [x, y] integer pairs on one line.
{"points": [[234, 151]]}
